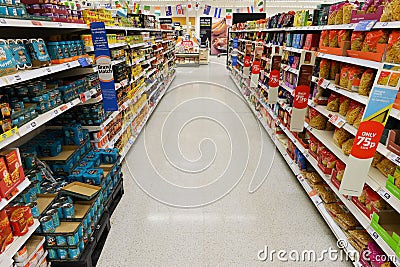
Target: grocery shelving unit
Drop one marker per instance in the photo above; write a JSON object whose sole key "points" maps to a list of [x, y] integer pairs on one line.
{"points": [[281, 135], [154, 77]]}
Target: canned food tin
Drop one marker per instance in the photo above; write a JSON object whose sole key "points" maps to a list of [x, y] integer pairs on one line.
{"points": [[80, 231], [40, 251], [21, 255], [33, 261], [62, 253], [54, 215], [63, 200], [61, 240], [50, 240], [73, 253], [52, 254], [73, 240], [34, 209], [58, 206], [36, 185], [47, 224], [68, 210]]}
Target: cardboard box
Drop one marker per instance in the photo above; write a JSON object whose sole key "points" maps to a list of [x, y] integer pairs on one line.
{"points": [[374, 56], [6, 236], [7, 187], [14, 165]]}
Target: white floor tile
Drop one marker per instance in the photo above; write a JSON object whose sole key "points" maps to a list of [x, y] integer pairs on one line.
{"points": [[227, 232]]}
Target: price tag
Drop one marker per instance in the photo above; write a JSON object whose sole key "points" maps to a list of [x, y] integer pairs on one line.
{"points": [[372, 232], [384, 24], [385, 195], [365, 25], [47, 70], [337, 121], [83, 62], [68, 65], [3, 21], [83, 97], [36, 23], [59, 24], [317, 200], [66, 106], [323, 83], [394, 158]]}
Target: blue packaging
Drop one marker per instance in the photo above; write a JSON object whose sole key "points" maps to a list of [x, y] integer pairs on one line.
{"points": [[80, 231], [50, 148], [109, 155], [61, 240], [62, 253], [93, 176], [86, 164], [95, 158], [73, 253], [68, 210], [58, 206], [76, 175], [52, 253], [46, 222], [54, 215], [73, 240]]}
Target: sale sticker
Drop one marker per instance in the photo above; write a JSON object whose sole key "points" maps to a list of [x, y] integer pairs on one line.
{"points": [[367, 139], [256, 68], [337, 121], [274, 78], [246, 61], [299, 110]]}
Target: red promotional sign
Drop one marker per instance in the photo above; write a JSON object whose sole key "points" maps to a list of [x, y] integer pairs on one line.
{"points": [[256, 68], [367, 139], [301, 96], [274, 78], [246, 62]]}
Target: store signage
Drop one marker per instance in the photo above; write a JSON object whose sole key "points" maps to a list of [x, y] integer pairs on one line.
{"points": [[246, 66], [234, 61], [103, 62], [370, 131], [246, 62], [205, 30], [300, 103], [273, 86], [364, 25], [255, 73], [165, 21], [235, 43]]}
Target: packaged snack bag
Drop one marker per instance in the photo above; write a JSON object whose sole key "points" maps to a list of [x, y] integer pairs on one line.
{"points": [[344, 105], [367, 80], [317, 120], [354, 110], [357, 39], [333, 38], [333, 102], [324, 69]]}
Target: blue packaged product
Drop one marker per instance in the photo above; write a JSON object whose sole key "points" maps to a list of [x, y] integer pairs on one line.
{"points": [[73, 240], [61, 240], [86, 164], [65, 49], [51, 148], [73, 253], [50, 240], [76, 175], [8, 65], [38, 52], [3, 9], [12, 11], [54, 215], [62, 253], [93, 176], [109, 155], [85, 223], [80, 231], [34, 209], [55, 51], [20, 53], [52, 253], [81, 245], [58, 206], [95, 158], [68, 210]]}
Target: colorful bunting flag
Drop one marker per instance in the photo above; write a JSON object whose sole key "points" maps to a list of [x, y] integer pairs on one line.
{"points": [[250, 9], [228, 16], [136, 7], [168, 11], [189, 6], [179, 9], [260, 6], [146, 10], [197, 6], [157, 10], [217, 12], [207, 10]]}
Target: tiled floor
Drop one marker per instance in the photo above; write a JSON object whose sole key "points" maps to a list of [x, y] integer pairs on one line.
{"points": [[203, 145]]}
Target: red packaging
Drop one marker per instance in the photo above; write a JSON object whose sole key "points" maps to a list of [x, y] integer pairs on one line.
{"points": [[312, 40], [6, 184], [327, 161], [20, 219], [6, 236], [14, 165], [338, 172]]}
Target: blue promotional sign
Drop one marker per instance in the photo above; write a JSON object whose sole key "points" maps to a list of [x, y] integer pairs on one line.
{"points": [[235, 43], [234, 61], [364, 25], [103, 62]]}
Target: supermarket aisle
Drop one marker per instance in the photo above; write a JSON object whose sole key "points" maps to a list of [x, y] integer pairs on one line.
{"points": [[198, 134]]}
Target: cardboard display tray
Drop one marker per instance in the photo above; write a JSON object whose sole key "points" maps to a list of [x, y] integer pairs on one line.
{"points": [[44, 200], [81, 190]]}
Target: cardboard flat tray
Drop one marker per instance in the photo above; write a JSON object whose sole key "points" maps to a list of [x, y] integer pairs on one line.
{"points": [[81, 190], [44, 200]]}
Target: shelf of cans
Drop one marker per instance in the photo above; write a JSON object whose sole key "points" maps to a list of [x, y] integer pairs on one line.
{"points": [[380, 194]]}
